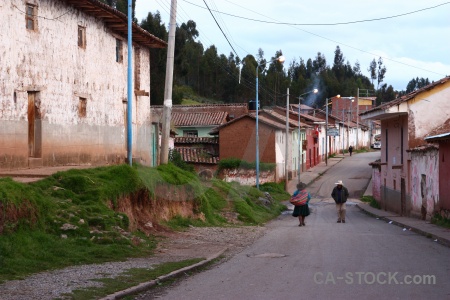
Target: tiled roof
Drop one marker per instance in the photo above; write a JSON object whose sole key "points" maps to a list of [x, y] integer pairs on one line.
{"points": [[199, 119], [261, 119], [407, 97], [196, 140], [117, 22], [196, 155], [279, 117]]}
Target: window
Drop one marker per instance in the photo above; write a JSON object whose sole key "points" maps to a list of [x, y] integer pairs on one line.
{"points": [[190, 133], [31, 17], [119, 56], [82, 108], [82, 37]]}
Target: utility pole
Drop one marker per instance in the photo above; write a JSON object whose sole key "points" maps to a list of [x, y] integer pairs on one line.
{"points": [[357, 118], [167, 111], [286, 159], [129, 91]]}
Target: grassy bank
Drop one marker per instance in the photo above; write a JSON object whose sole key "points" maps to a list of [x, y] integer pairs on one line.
{"points": [[70, 218]]}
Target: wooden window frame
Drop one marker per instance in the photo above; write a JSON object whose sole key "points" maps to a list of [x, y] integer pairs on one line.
{"points": [[190, 133], [82, 37], [119, 50], [82, 104], [31, 20]]}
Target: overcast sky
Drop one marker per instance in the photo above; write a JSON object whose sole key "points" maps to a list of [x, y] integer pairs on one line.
{"points": [[414, 45]]}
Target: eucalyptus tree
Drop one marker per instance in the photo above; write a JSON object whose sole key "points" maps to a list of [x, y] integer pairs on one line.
{"points": [[155, 26]]}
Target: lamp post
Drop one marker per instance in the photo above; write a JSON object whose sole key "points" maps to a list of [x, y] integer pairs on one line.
{"points": [[326, 127], [344, 123], [300, 160], [280, 59]]}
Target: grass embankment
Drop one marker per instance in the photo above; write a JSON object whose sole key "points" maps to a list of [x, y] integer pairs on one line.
{"points": [[68, 218], [371, 201]]}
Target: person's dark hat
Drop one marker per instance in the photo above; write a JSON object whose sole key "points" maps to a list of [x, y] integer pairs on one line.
{"points": [[301, 186]]}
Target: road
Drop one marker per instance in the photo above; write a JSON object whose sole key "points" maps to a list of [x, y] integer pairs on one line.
{"points": [[364, 258]]}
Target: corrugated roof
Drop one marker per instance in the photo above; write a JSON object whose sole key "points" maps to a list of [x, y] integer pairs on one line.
{"points": [[196, 155], [196, 140], [117, 22], [199, 119], [407, 97]]}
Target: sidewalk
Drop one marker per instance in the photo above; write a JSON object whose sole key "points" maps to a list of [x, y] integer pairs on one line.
{"points": [[35, 174], [439, 234], [312, 174]]}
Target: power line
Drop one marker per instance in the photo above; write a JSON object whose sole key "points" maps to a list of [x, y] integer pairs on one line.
{"points": [[349, 46], [324, 24], [221, 29]]}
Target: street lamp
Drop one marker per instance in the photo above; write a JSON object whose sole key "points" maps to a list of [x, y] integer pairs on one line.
{"points": [[280, 59], [300, 160], [326, 127], [344, 123]]}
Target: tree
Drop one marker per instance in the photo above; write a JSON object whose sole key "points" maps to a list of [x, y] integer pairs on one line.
{"points": [[373, 70], [385, 94], [381, 72], [122, 6], [357, 68], [320, 63], [154, 25], [415, 84], [339, 63]]}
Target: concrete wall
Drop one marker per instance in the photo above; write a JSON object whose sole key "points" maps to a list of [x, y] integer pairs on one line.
{"points": [[376, 183], [444, 176], [202, 131], [427, 112], [394, 167], [424, 183], [247, 177], [48, 62]]}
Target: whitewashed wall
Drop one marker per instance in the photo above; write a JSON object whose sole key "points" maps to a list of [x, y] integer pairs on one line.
{"points": [[50, 62]]}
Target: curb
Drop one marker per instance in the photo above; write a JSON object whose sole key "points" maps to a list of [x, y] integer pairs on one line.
{"points": [[147, 285], [439, 239]]}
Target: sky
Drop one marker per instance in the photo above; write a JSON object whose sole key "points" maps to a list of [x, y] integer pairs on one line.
{"points": [[413, 44]]}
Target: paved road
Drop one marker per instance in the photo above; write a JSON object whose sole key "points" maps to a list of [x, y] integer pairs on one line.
{"points": [[364, 258]]}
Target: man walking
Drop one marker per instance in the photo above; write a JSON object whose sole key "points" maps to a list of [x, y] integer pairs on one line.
{"points": [[340, 195]]}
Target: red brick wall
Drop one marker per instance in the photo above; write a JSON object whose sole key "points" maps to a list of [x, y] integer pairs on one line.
{"points": [[238, 140]]}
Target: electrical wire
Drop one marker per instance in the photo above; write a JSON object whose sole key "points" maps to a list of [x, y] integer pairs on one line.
{"points": [[339, 43], [324, 24], [271, 94], [42, 17]]}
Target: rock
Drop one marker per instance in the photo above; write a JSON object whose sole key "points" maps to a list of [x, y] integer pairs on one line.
{"points": [[68, 226], [148, 225]]}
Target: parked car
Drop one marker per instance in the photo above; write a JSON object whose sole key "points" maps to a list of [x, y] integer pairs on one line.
{"points": [[376, 145]]}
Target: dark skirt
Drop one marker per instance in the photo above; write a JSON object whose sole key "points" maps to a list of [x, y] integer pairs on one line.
{"points": [[302, 210]]}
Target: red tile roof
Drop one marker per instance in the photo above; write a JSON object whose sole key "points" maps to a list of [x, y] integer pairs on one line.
{"points": [[117, 22], [199, 119], [196, 155], [196, 140], [261, 119]]}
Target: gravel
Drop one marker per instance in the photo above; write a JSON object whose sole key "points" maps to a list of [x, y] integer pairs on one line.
{"points": [[196, 242]]}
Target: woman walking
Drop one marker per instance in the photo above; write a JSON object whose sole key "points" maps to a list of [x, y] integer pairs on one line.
{"points": [[301, 211]]}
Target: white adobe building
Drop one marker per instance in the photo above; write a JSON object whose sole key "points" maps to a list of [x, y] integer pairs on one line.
{"points": [[63, 84]]}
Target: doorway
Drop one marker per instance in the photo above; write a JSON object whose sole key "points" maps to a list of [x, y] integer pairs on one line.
{"points": [[34, 126]]}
